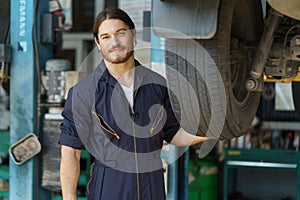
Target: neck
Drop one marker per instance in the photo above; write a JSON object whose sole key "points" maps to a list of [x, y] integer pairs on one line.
{"points": [[122, 72]]}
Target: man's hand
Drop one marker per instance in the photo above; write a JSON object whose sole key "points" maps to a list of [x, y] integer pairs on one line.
{"points": [[183, 138]]}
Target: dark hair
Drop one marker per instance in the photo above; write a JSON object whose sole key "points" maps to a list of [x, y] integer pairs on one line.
{"points": [[112, 13]]}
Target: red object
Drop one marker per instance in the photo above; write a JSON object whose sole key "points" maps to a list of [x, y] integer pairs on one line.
{"points": [[61, 15]]}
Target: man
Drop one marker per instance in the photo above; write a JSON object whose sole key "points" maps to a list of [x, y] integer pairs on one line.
{"points": [[122, 114]]}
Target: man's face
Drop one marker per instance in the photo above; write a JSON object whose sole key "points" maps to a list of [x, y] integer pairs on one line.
{"points": [[115, 40]]}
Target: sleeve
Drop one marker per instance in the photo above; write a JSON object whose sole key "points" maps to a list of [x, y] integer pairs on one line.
{"points": [[69, 135], [172, 125]]}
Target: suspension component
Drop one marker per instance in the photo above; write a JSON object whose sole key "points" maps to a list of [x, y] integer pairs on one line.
{"points": [[265, 44]]}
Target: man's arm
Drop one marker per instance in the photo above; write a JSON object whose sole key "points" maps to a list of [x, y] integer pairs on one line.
{"points": [[183, 138], [69, 171]]}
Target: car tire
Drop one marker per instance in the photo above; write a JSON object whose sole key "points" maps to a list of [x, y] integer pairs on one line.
{"points": [[240, 24]]}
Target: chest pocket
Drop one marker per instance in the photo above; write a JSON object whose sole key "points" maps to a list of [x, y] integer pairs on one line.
{"points": [[104, 125], [158, 121]]}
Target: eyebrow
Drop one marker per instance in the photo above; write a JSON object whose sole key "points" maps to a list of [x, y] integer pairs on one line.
{"points": [[121, 29]]}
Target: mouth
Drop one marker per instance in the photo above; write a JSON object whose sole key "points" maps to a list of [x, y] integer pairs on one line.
{"points": [[116, 50]]}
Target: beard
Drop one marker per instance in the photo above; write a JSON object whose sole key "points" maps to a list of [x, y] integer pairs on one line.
{"points": [[119, 59]]}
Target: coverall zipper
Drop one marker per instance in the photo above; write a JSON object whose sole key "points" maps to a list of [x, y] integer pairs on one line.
{"points": [[135, 155], [107, 128], [134, 135], [134, 143]]}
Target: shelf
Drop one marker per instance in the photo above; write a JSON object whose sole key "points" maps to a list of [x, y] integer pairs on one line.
{"points": [[277, 159], [261, 164]]}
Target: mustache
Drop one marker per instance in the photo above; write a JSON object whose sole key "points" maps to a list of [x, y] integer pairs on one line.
{"points": [[116, 47]]}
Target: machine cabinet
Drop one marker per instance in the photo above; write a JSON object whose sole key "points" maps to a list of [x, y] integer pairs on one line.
{"points": [[260, 173]]}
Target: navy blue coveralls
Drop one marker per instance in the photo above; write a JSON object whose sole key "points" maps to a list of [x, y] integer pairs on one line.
{"points": [[126, 142]]}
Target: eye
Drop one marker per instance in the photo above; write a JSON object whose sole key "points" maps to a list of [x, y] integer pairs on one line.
{"points": [[105, 37], [121, 33]]}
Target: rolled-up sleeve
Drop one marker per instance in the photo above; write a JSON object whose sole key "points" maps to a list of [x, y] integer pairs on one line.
{"points": [[69, 135]]}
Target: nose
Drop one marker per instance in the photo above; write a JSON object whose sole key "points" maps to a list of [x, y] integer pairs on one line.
{"points": [[115, 40]]}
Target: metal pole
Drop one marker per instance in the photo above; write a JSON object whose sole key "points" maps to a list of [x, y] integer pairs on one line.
{"points": [[24, 182]]}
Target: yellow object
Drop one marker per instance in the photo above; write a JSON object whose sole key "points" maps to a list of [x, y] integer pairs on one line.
{"points": [[234, 152], [286, 80]]}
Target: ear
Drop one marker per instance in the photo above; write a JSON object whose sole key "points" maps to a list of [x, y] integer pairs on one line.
{"points": [[97, 43]]}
